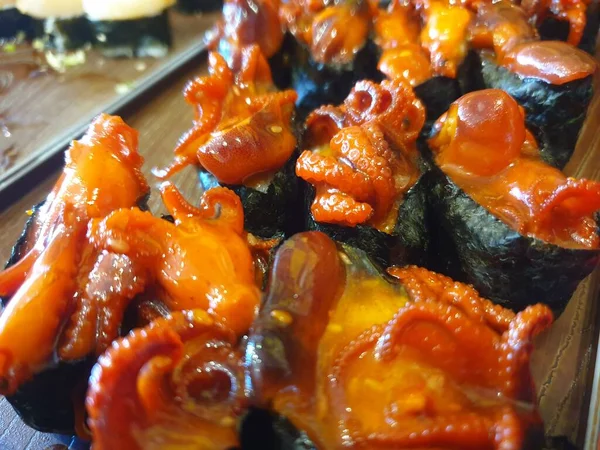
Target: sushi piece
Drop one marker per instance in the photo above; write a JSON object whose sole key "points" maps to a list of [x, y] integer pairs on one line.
{"points": [[346, 354], [254, 22], [176, 383], [552, 80], [405, 52], [136, 28], [243, 138], [12, 22], [365, 184], [198, 6], [520, 230], [39, 283], [333, 49], [61, 25]]}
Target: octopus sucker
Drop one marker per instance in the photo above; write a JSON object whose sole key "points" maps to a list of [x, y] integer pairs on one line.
{"points": [[175, 382], [419, 361]]}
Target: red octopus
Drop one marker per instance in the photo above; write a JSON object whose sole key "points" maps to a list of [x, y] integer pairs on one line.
{"points": [[333, 31], [102, 173], [247, 22], [511, 181], [361, 156], [243, 125], [177, 383], [423, 364], [202, 261]]}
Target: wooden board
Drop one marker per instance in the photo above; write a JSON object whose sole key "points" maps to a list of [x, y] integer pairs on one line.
{"points": [[564, 358], [41, 109]]}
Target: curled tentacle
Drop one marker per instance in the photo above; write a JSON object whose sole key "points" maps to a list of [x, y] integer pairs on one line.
{"points": [[426, 286], [177, 381]]}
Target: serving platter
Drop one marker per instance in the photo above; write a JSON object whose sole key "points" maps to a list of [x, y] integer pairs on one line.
{"points": [[43, 107], [565, 357]]}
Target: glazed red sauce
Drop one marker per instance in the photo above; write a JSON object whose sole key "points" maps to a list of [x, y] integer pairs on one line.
{"points": [[552, 61], [483, 146]]}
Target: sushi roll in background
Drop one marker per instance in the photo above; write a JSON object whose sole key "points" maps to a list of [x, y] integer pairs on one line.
{"points": [[60, 24], [244, 138], [135, 28], [360, 161], [406, 45], [198, 6], [552, 80], [333, 49], [12, 22], [519, 229]]}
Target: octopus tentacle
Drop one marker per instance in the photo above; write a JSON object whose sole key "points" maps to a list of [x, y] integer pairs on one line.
{"points": [[423, 285], [223, 204], [145, 392], [24, 350]]}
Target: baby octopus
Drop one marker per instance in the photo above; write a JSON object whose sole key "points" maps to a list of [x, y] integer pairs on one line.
{"points": [[102, 173], [242, 126], [177, 383], [202, 261], [361, 156], [424, 362]]}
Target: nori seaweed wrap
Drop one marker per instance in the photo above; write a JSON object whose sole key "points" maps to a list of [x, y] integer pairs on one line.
{"points": [[552, 80], [520, 231], [333, 49], [198, 6], [243, 138], [12, 22], [41, 378], [61, 28], [366, 187], [340, 349], [138, 28]]}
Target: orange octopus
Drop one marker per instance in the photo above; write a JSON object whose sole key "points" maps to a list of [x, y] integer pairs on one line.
{"points": [[375, 364], [244, 23], [334, 32], [177, 383], [504, 28], [362, 154], [243, 125], [202, 261], [494, 159], [46, 283]]}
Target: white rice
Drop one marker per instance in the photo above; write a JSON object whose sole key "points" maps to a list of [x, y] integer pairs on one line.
{"points": [[125, 10], [44, 9]]}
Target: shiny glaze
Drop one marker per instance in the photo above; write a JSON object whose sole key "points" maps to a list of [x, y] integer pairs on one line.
{"points": [[175, 384], [483, 146], [244, 23], [372, 364], [242, 126], [552, 61], [333, 31], [102, 173], [202, 261], [361, 156], [444, 36], [505, 28], [397, 33]]}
